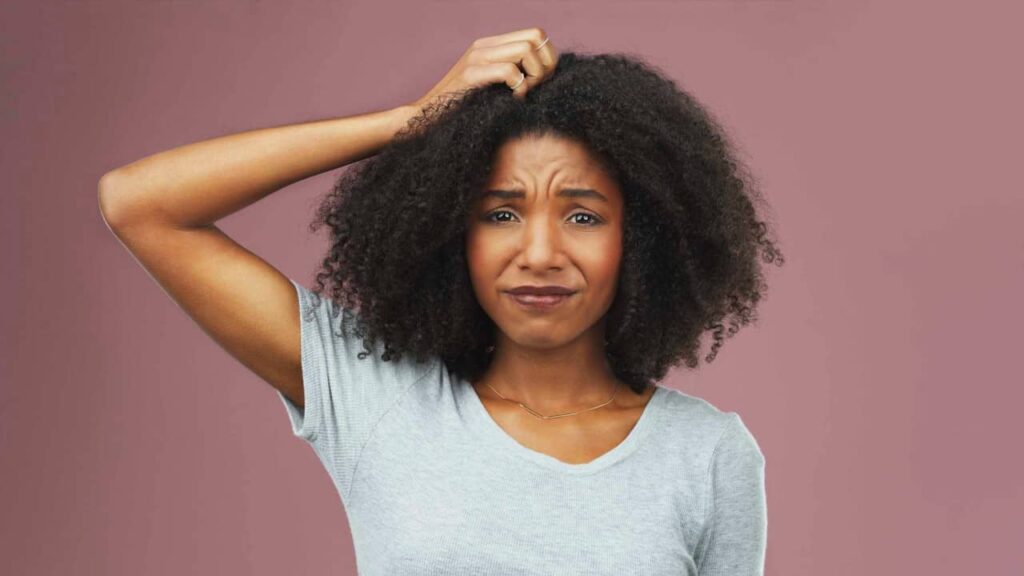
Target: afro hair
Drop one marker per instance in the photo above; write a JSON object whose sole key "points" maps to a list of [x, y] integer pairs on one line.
{"points": [[692, 240]]}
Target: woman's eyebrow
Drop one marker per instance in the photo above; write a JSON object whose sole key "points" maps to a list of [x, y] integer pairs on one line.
{"points": [[564, 193]]}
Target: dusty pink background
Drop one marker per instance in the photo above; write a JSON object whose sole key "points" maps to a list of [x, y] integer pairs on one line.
{"points": [[883, 381]]}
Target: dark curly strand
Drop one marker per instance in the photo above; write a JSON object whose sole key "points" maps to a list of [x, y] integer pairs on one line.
{"points": [[693, 244]]}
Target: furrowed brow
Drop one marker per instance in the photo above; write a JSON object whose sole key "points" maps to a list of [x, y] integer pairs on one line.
{"points": [[564, 193]]}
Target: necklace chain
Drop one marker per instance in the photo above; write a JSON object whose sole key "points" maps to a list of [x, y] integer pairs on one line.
{"points": [[544, 417]]}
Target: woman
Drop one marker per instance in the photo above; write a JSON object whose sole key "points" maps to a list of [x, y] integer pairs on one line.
{"points": [[510, 277]]}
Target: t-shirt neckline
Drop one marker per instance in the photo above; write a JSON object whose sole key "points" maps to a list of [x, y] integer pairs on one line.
{"points": [[482, 421]]}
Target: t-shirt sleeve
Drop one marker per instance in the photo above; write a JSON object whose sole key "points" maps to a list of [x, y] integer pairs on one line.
{"points": [[344, 395], [736, 524]]}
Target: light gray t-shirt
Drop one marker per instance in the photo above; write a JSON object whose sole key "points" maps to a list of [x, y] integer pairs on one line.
{"points": [[431, 484]]}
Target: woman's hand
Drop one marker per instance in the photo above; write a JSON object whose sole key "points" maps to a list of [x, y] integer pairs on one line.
{"points": [[521, 59]]}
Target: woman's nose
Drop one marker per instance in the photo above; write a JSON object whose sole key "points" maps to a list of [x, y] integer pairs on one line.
{"points": [[541, 244]]}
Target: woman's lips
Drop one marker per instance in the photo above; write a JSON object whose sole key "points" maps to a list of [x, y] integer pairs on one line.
{"points": [[540, 302]]}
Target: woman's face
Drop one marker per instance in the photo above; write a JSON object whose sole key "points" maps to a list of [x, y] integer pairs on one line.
{"points": [[550, 215]]}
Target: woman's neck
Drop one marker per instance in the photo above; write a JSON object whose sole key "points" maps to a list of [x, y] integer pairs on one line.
{"points": [[552, 380]]}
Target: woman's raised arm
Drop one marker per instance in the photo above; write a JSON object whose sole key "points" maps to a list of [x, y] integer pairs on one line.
{"points": [[200, 183], [163, 208]]}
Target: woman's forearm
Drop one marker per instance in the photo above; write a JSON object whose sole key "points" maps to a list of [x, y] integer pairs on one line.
{"points": [[200, 183]]}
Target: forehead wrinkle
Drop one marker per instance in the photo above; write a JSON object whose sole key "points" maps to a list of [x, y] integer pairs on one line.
{"points": [[565, 192], [572, 182], [548, 161]]}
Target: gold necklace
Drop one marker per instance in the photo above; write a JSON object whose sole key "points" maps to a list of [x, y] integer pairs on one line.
{"points": [[543, 417]]}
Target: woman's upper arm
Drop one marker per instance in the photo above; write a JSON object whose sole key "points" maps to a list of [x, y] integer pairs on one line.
{"points": [[736, 523], [301, 345], [243, 303]]}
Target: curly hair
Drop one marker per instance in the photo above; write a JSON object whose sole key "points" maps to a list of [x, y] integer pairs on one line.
{"points": [[692, 240]]}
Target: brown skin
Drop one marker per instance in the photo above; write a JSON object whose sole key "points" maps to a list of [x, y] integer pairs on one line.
{"points": [[552, 361]]}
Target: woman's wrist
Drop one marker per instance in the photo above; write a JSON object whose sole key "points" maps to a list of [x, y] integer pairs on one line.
{"points": [[401, 115]]}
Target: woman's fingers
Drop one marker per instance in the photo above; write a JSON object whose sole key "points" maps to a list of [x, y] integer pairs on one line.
{"points": [[527, 58], [535, 36], [522, 52], [505, 72], [520, 59], [547, 54]]}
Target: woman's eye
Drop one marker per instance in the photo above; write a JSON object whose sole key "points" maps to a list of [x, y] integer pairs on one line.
{"points": [[490, 217], [592, 222]]}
